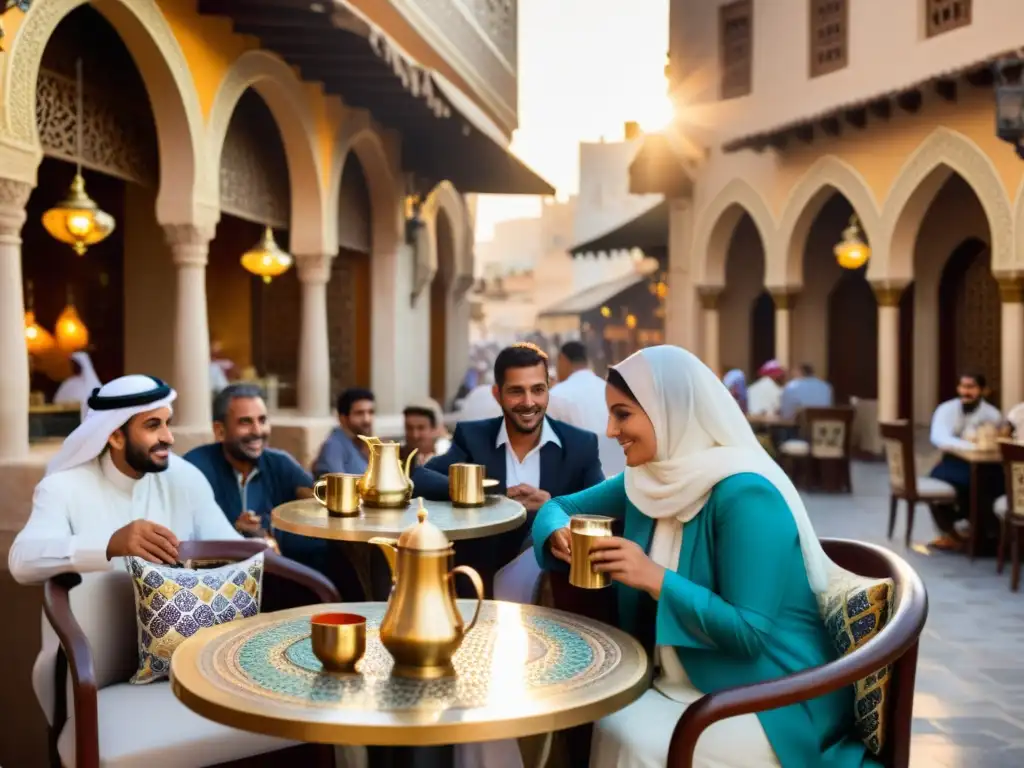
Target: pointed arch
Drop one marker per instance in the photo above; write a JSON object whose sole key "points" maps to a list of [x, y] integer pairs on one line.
{"points": [[717, 223], [827, 176], [943, 153], [168, 80], [278, 86], [445, 200]]}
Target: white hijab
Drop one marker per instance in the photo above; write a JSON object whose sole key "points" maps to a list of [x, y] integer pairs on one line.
{"points": [[703, 438], [90, 437]]}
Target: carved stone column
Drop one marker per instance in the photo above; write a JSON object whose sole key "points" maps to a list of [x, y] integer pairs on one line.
{"points": [[712, 342], [1011, 292], [682, 311], [784, 299], [888, 297], [189, 248], [14, 383], [314, 385]]}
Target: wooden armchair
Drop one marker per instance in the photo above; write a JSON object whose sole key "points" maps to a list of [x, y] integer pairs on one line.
{"points": [[1010, 511], [823, 459], [93, 617], [904, 482], [896, 644]]}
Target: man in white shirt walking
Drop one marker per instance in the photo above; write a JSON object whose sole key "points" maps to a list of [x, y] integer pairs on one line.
{"points": [[579, 399], [114, 489]]}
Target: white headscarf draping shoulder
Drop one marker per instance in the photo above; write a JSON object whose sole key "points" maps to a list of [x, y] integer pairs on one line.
{"points": [[703, 438], [90, 437]]}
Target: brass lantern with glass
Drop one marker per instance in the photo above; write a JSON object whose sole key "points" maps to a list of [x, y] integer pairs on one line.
{"points": [[77, 220], [852, 252], [266, 259]]}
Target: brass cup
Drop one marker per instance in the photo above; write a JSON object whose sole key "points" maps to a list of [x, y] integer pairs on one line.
{"points": [[339, 493], [339, 640], [584, 529], [466, 484]]}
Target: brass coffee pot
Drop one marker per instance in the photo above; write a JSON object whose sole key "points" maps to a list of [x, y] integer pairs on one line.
{"points": [[422, 626], [385, 483]]}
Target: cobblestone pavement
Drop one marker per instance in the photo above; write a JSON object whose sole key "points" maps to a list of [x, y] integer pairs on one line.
{"points": [[969, 707]]}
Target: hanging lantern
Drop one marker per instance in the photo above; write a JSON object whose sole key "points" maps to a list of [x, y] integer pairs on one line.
{"points": [[77, 220], [38, 340], [267, 260], [606, 312], [852, 252], [631, 321], [72, 335]]}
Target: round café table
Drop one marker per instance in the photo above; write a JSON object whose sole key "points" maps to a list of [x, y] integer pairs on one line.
{"points": [[308, 517], [522, 670]]}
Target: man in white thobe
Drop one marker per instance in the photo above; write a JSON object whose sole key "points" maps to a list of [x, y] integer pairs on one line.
{"points": [[115, 489], [79, 386], [578, 399]]}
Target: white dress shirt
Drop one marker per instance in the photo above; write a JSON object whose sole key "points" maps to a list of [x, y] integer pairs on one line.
{"points": [[580, 401], [75, 512], [527, 471], [950, 423]]}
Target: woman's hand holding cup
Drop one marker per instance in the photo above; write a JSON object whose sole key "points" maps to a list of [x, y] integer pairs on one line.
{"points": [[560, 544]]}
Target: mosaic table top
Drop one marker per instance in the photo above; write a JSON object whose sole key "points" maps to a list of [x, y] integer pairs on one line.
{"points": [[308, 517], [522, 670]]}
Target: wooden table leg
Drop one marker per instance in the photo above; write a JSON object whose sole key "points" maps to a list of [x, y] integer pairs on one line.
{"points": [[973, 515]]}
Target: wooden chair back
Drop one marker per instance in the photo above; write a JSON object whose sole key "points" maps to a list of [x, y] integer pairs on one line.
{"points": [[898, 442], [1013, 463], [829, 431]]}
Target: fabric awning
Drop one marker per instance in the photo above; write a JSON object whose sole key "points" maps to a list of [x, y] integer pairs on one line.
{"points": [[660, 167], [445, 135], [593, 297], [648, 231]]}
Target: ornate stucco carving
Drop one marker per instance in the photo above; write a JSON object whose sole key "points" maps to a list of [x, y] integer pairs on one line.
{"points": [[117, 138], [13, 198], [285, 96], [901, 221], [254, 182], [479, 38], [164, 69]]}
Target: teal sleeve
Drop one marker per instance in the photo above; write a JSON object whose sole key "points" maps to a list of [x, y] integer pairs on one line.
{"points": [[606, 498], [755, 542]]}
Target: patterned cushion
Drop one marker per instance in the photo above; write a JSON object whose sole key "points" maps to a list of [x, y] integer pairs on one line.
{"points": [[172, 604], [855, 610]]}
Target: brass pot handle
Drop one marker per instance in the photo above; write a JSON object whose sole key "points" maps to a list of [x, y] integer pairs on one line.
{"points": [[478, 585]]}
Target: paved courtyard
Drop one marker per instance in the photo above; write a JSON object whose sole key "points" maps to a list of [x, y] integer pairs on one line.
{"points": [[969, 709]]}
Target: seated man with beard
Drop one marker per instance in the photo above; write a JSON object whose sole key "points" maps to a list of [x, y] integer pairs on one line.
{"points": [[954, 425], [249, 478], [115, 489]]}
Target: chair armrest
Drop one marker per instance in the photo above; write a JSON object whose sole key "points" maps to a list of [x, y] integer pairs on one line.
{"points": [[897, 638], [303, 576], [57, 608]]}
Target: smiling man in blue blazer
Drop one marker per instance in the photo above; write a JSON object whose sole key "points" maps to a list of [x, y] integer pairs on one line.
{"points": [[532, 457]]}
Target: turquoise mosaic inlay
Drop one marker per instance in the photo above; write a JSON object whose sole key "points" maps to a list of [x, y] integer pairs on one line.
{"points": [[535, 655]]}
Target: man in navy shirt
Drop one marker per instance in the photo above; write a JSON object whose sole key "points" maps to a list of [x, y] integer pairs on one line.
{"points": [[343, 451], [248, 477]]}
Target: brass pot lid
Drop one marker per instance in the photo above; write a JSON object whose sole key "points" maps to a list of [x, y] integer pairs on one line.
{"points": [[423, 535]]}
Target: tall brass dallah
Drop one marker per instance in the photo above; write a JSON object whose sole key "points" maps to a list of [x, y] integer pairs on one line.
{"points": [[422, 627], [386, 483]]}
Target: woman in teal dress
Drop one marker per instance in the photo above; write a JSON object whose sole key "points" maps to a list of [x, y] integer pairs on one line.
{"points": [[719, 565]]}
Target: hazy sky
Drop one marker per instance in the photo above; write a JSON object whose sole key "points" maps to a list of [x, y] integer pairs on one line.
{"points": [[585, 68]]}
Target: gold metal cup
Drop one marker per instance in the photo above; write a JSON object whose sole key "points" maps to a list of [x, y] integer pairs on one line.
{"points": [[466, 484], [339, 493], [339, 640], [584, 529]]}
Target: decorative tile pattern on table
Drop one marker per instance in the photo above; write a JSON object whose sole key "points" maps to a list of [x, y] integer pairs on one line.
{"points": [[539, 657], [172, 604]]}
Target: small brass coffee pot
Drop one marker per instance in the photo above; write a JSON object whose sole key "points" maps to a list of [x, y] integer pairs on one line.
{"points": [[422, 627], [385, 483]]}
